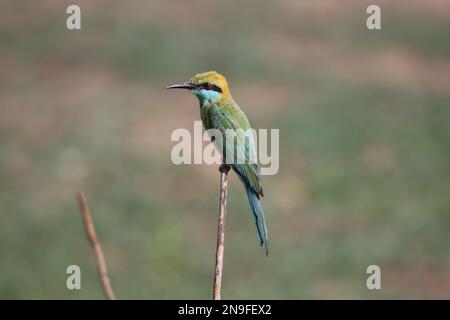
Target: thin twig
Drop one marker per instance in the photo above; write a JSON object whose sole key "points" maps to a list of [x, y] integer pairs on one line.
{"points": [[95, 245], [217, 287]]}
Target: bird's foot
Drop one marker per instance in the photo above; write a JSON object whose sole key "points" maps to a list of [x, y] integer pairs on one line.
{"points": [[224, 168]]}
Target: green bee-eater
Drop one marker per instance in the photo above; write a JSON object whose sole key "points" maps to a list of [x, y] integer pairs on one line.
{"points": [[219, 111]]}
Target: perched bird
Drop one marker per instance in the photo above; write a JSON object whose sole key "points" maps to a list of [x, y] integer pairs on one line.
{"points": [[219, 111]]}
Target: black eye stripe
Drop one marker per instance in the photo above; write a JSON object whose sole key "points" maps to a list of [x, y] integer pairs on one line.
{"points": [[210, 86]]}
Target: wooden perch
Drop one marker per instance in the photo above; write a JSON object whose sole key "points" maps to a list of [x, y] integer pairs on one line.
{"points": [[96, 248], [217, 286]]}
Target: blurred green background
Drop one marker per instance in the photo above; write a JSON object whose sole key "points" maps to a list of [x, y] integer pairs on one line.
{"points": [[364, 122]]}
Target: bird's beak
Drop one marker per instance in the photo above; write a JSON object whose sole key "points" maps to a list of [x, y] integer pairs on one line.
{"points": [[184, 85]]}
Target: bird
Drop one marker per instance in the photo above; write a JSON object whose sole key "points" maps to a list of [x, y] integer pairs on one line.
{"points": [[219, 111]]}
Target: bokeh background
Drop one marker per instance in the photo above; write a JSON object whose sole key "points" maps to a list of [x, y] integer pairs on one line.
{"points": [[364, 122]]}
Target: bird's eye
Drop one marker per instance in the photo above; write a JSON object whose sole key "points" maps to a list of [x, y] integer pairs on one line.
{"points": [[210, 86]]}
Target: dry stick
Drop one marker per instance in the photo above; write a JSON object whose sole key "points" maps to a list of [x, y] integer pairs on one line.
{"points": [[217, 287], [95, 245]]}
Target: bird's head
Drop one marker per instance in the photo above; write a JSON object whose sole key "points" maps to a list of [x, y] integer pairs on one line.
{"points": [[207, 87]]}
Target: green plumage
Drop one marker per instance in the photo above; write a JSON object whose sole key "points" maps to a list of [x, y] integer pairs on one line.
{"points": [[219, 111], [225, 114]]}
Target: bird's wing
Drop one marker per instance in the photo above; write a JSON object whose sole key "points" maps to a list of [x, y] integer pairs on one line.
{"points": [[248, 171]]}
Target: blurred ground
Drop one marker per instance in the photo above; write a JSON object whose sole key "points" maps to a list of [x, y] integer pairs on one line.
{"points": [[365, 148]]}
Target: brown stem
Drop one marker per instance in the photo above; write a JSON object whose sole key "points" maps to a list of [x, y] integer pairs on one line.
{"points": [[217, 287], [95, 245]]}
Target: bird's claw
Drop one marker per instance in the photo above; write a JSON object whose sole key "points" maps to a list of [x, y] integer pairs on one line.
{"points": [[224, 168]]}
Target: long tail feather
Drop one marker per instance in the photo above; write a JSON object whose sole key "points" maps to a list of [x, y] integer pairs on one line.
{"points": [[260, 221]]}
